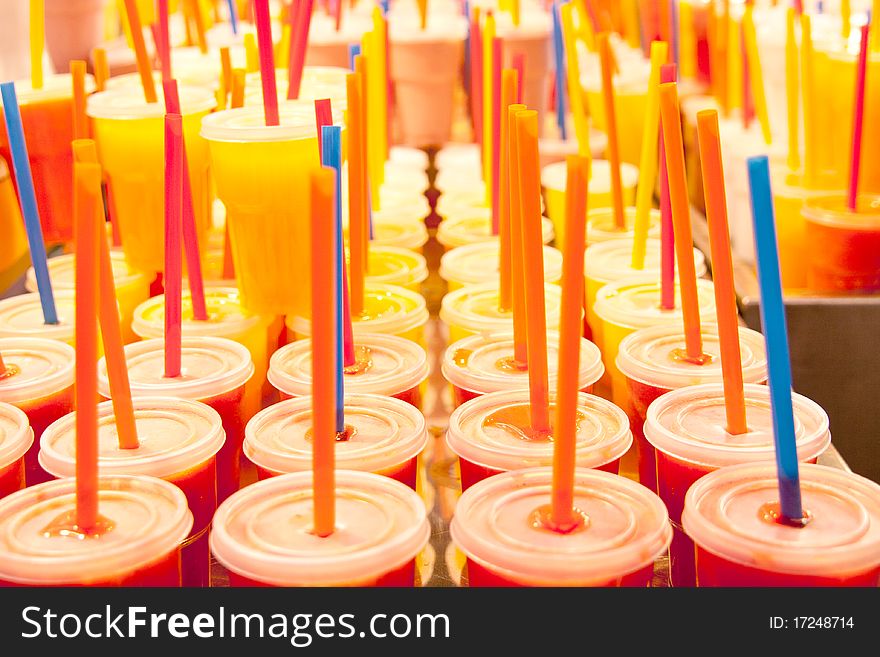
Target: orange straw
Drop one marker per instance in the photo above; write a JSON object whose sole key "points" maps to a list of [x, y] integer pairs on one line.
{"points": [[323, 349], [140, 51], [102, 70], [80, 122], [520, 321], [509, 85], [198, 19], [423, 12], [237, 98], [357, 194], [681, 218], [87, 190], [533, 274], [722, 270], [226, 67], [611, 124]]}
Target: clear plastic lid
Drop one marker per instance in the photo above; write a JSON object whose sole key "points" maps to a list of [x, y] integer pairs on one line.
{"points": [[352, 26], [725, 513], [36, 368], [458, 156], [175, 435], [405, 27], [409, 156], [653, 356], [128, 103], [484, 363], [475, 308], [534, 23], [21, 316], [479, 263], [226, 316], [601, 225], [612, 260], [635, 303], [16, 435], [149, 517], [401, 179], [626, 528], [691, 424], [554, 176], [492, 431], [472, 225], [62, 272], [393, 265], [386, 365], [385, 432], [55, 87], [402, 234], [833, 212], [630, 77], [318, 82], [248, 124], [208, 367]]}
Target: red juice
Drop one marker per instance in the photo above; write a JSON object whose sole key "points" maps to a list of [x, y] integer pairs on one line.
{"points": [[16, 438], [471, 473], [480, 576], [404, 576], [405, 473]]}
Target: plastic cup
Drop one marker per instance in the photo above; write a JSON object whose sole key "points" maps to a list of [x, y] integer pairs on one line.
{"points": [[843, 247], [653, 362], [48, 130], [532, 40], [129, 133], [479, 263], [475, 310], [389, 265], [132, 286], [552, 148], [214, 371], [388, 309], [400, 234], [601, 226], [381, 526], [147, 518], [626, 529], [21, 316], [73, 29], [553, 180], [687, 428], [414, 158], [330, 47], [16, 438], [730, 515], [257, 170], [317, 82], [464, 225], [179, 441], [456, 155], [384, 365], [15, 250], [39, 381], [478, 365]]}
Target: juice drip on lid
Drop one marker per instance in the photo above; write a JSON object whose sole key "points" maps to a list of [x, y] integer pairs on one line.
{"points": [[542, 518], [771, 512], [11, 370], [511, 365], [363, 361], [517, 421], [681, 356], [461, 357], [343, 436], [64, 526]]}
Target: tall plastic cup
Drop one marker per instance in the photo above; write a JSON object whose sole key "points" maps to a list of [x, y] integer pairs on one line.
{"points": [[531, 39], [329, 46], [73, 29], [389, 265], [145, 520], [687, 427], [626, 529], [15, 251], [16, 438], [465, 225], [399, 234], [479, 263], [179, 441]]}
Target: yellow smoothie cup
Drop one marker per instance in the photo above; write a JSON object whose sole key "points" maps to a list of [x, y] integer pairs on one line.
{"points": [[479, 263], [21, 316], [601, 226], [473, 225], [396, 266]]}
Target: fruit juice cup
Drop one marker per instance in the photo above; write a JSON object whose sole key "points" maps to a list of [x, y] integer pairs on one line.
{"points": [[400, 234], [414, 158], [475, 310], [384, 365], [687, 427], [132, 286], [654, 362], [145, 520], [21, 316], [192, 67], [329, 46], [179, 441], [39, 381], [480, 364], [601, 226], [317, 82], [553, 179], [214, 372], [388, 309], [843, 247], [552, 148], [626, 529], [129, 134], [472, 225], [48, 130], [458, 155], [227, 318], [73, 29], [633, 304], [739, 541], [257, 170], [381, 525], [400, 179], [531, 39], [16, 438], [389, 265], [479, 263], [12, 235]]}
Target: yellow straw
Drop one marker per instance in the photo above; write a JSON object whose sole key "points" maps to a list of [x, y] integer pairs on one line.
{"points": [[283, 56], [631, 22], [687, 47], [38, 22], [755, 75], [792, 92], [875, 42], [809, 114], [515, 11], [845, 11], [734, 64], [488, 68], [252, 55], [585, 30], [380, 28], [573, 74]]}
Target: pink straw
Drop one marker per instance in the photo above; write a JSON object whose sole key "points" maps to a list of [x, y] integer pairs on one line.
{"points": [[173, 212], [323, 116], [496, 131], [667, 240], [164, 41], [300, 20], [476, 41], [337, 13], [748, 105], [267, 61], [858, 122], [519, 65]]}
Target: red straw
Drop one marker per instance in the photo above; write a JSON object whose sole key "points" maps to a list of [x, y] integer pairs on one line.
{"points": [[496, 130], [173, 212], [164, 41], [267, 61], [476, 41], [337, 13], [300, 20], [858, 122], [667, 237], [748, 105], [323, 116], [519, 65]]}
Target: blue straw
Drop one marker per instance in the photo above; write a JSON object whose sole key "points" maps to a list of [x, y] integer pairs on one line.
{"points": [[331, 156], [233, 15], [385, 4], [353, 51], [28, 200], [776, 337], [559, 50]]}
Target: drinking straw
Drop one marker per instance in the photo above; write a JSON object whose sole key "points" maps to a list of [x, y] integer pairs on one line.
{"points": [[747, 106], [611, 124], [423, 13], [517, 267], [199, 21], [756, 77], [228, 264], [226, 68], [102, 71], [776, 338], [687, 46], [476, 56], [570, 331], [38, 41], [874, 11], [353, 51], [379, 78], [323, 117], [722, 270], [87, 178], [282, 51], [509, 84], [559, 58], [337, 14], [140, 51], [533, 269], [173, 270], [515, 12], [648, 158], [236, 99], [681, 218], [592, 16], [858, 120], [488, 85], [28, 200], [667, 238], [792, 92], [810, 127], [324, 355], [519, 65], [573, 72], [357, 193], [267, 61], [799, 6], [252, 57], [233, 15], [674, 39], [164, 41], [496, 130], [80, 121]]}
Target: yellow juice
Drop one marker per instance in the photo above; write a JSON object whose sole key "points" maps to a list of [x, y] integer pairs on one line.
{"points": [[396, 266]]}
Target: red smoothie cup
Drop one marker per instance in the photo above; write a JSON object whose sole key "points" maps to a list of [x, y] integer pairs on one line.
{"points": [[263, 534], [490, 435], [732, 516], [383, 435], [653, 362], [21, 316], [16, 438], [179, 441], [687, 427], [39, 544], [626, 528]]}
